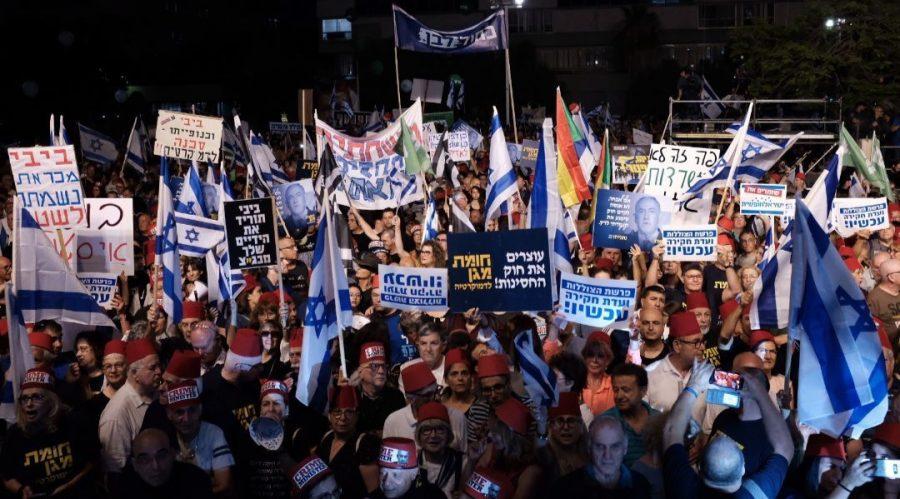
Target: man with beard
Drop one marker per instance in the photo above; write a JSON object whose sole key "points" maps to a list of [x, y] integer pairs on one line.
{"points": [[352, 455], [377, 400], [650, 327]]}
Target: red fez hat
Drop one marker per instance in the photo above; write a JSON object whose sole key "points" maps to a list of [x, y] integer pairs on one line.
{"points": [[696, 299], [726, 223], [345, 397], [433, 410], [494, 364], [250, 282], [846, 252], [41, 340], [852, 264], [728, 307], [888, 433], [485, 483], [604, 264], [724, 240], [567, 406], [683, 324], [758, 336], [515, 415], [599, 337], [587, 240], [375, 281], [38, 377], [114, 347], [185, 364], [398, 453], [192, 310], [4, 328], [800, 176], [183, 394], [149, 251], [822, 445], [296, 340], [455, 356], [417, 376], [893, 208], [272, 297], [273, 386], [372, 351], [136, 350], [246, 350], [308, 473]]}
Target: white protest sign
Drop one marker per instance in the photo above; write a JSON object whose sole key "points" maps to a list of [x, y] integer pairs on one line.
{"points": [[790, 207], [458, 145], [100, 285], [694, 211], [690, 243], [850, 215], [107, 243], [434, 138], [671, 170], [763, 199], [188, 136], [596, 302], [48, 185], [412, 288]]}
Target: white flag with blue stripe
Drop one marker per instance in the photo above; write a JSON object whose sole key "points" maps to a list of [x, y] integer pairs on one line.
{"points": [[539, 379], [544, 205], [197, 235], [231, 282], [191, 200], [167, 247], [46, 288], [96, 146], [432, 223], [63, 139], [134, 150], [711, 107], [842, 380], [19, 359], [264, 161], [501, 177]]}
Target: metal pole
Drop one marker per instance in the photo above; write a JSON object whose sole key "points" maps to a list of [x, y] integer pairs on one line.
{"points": [[397, 78], [511, 103]]}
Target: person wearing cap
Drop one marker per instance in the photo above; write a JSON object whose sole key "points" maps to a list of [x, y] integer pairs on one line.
{"points": [[192, 312], [430, 344], [586, 254], [122, 418], [721, 275], [398, 464], [153, 472], [295, 350], [440, 464], [506, 446], [199, 443], [377, 400], [459, 392], [46, 451], [485, 483], [261, 454], [567, 446], [597, 355], [629, 388], [230, 391], [762, 344], [313, 479], [42, 349], [377, 248], [351, 454], [822, 467], [114, 372], [669, 376], [420, 387], [206, 341], [722, 463], [495, 388], [719, 350]]}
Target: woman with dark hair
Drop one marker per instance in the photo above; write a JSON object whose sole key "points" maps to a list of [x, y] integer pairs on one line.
{"points": [[86, 373], [458, 376], [272, 367], [571, 376], [431, 255]]}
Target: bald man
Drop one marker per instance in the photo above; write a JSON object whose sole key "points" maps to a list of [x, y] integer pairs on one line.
{"points": [[884, 299], [154, 472]]}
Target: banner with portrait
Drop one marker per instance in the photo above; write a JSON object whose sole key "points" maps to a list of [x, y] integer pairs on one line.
{"points": [[624, 219], [298, 205]]}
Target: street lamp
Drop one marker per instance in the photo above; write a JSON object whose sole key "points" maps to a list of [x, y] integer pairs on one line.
{"points": [[833, 22]]}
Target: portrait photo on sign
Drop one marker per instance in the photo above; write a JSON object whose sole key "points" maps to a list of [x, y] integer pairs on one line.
{"points": [[298, 206], [648, 214], [624, 219]]}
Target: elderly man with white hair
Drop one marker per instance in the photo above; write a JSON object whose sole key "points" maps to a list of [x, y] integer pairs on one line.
{"points": [[884, 299]]}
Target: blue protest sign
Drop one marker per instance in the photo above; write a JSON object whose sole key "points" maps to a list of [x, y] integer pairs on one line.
{"points": [[486, 36]]}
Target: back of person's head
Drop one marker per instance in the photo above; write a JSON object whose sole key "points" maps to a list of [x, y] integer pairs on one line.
{"points": [[723, 465]]}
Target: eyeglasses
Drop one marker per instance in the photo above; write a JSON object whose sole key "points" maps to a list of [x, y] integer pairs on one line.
{"points": [[375, 367], [434, 430], [565, 421], [37, 397], [499, 388], [694, 343], [343, 413], [117, 365]]}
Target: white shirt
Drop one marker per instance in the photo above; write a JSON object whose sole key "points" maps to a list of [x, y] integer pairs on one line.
{"points": [[402, 423], [665, 384], [208, 450], [120, 422]]}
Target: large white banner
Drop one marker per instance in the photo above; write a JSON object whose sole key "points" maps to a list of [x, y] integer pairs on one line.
{"points": [[373, 173], [48, 185], [690, 243], [412, 288], [671, 170], [596, 302], [850, 215], [106, 244], [188, 136]]}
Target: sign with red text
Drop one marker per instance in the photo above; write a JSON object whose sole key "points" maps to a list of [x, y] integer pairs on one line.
{"points": [[48, 185], [188, 136], [106, 244]]}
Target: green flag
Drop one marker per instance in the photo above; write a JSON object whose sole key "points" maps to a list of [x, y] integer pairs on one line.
{"points": [[877, 164], [855, 158], [415, 157]]}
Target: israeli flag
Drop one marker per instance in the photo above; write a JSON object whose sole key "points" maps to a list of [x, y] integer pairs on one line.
{"points": [[539, 379], [231, 282], [96, 146], [197, 235], [264, 162], [191, 200], [842, 380], [544, 205], [856, 188], [565, 237], [432, 223], [328, 312], [134, 151], [232, 147], [19, 359], [501, 177], [46, 288], [711, 107], [63, 138], [167, 255]]}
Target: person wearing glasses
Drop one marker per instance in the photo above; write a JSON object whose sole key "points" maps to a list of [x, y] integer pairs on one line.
{"points": [[438, 463], [494, 388], [352, 455], [669, 376], [154, 472], [567, 445], [377, 399]]}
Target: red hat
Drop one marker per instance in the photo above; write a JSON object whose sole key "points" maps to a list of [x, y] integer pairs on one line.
{"points": [[417, 376], [456, 356], [372, 351], [695, 300], [136, 350], [433, 410], [308, 473], [149, 251], [846, 252], [246, 350], [758, 336], [38, 377], [604, 264], [800, 176], [728, 307], [114, 347], [600, 337], [41, 340], [888, 433], [183, 394], [587, 240], [494, 364], [4, 328], [893, 208], [724, 240], [822, 445], [514, 414], [567, 406], [726, 223], [683, 324], [852, 264], [344, 397], [272, 297], [273, 386], [296, 340], [192, 310], [485, 483], [185, 364], [398, 454], [375, 281]]}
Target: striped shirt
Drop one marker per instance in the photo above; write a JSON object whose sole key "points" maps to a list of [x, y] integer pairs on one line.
{"points": [[208, 451]]}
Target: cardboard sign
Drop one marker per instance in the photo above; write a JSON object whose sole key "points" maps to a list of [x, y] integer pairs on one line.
{"points": [[850, 215], [529, 154], [596, 302], [629, 163], [101, 286], [763, 199], [48, 185], [250, 230], [500, 271], [671, 170], [790, 207], [458, 146], [624, 219], [188, 136], [690, 244], [413, 288]]}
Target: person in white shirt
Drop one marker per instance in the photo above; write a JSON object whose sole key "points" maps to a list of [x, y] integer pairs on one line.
{"points": [[431, 343]]}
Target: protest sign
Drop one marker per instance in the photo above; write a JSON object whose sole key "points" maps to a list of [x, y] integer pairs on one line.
{"points": [[107, 243], [485, 36], [690, 243], [692, 211], [250, 230], [763, 199], [100, 285], [413, 288], [298, 205], [850, 215], [458, 146], [48, 185], [629, 163], [529, 154], [640, 137], [443, 117], [373, 174], [188, 136], [671, 170], [280, 128], [500, 271], [515, 152], [624, 219], [596, 302], [308, 169], [434, 138], [790, 206]]}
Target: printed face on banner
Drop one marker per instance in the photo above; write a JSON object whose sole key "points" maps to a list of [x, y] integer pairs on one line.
{"points": [[690, 243], [629, 163], [250, 231], [188, 136], [671, 170], [411, 288], [596, 302], [298, 206], [850, 215], [624, 219], [763, 199], [48, 185]]}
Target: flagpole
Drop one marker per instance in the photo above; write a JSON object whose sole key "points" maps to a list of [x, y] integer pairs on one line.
{"points": [[810, 169], [397, 78], [127, 148], [736, 158]]}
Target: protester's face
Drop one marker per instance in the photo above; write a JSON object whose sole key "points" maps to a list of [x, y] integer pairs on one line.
{"points": [[186, 325], [149, 375], [294, 357], [693, 281], [608, 447], [288, 249], [5, 269], [613, 254], [647, 215], [431, 349], [153, 459], [114, 369], [459, 378], [748, 243], [689, 347], [382, 257], [296, 201], [395, 483], [627, 393], [704, 317], [387, 218], [186, 420], [375, 295], [566, 430], [426, 255], [271, 338], [768, 353], [355, 297], [267, 315], [387, 237], [343, 421], [495, 389], [85, 356], [748, 277], [434, 435], [598, 362], [374, 373], [654, 300], [352, 224], [193, 273], [442, 240], [272, 406], [739, 222], [35, 404], [651, 324], [143, 223], [492, 225], [56, 341], [586, 254], [363, 274]]}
